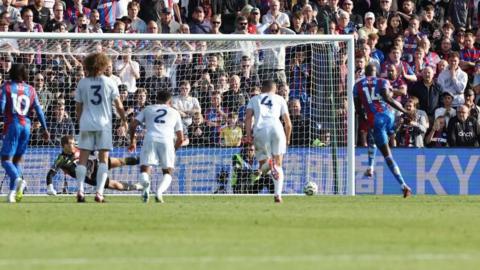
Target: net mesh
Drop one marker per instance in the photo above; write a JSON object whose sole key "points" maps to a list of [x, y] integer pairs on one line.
{"points": [[311, 76]]}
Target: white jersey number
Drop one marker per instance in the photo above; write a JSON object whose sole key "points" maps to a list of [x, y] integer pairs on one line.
{"points": [[18, 101]]}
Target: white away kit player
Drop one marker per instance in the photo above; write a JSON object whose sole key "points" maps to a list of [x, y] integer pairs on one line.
{"points": [[163, 137], [94, 97], [269, 136]]}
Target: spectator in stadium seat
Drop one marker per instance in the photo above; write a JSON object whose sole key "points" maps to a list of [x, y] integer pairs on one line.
{"points": [[418, 63], [214, 66], [283, 90], [470, 104], [377, 54], [185, 104], [94, 25], [476, 81], [235, 97], [428, 25], [431, 58], [454, 79], [199, 25], [411, 127], [198, 132], [27, 24], [60, 124], [345, 26], [403, 69], [11, 10], [469, 55], [399, 86], [231, 133], [215, 117], [167, 24], [304, 131], [385, 9], [80, 25], [458, 13], [275, 15], [221, 84], [298, 26], [109, 73], [7, 44], [41, 14], [369, 26], [394, 26], [248, 76], [308, 15], [447, 110], [128, 70], [366, 50], [463, 130], [216, 23], [445, 49], [299, 77], [355, 18], [58, 18], [428, 93], [159, 81], [254, 23], [437, 135], [360, 64], [6, 61], [273, 66], [137, 25], [72, 13], [45, 96], [327, 13]]}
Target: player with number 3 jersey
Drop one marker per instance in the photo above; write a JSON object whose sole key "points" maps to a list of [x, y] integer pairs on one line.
{"points": [[17, 99], [94, 97], [270, 137], [164, 135]]}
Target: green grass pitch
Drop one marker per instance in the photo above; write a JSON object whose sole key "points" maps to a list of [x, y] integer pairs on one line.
{"points": [[363, 232]]}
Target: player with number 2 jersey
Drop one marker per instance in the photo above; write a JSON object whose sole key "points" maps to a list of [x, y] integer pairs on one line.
{"points": [[164, 135]]}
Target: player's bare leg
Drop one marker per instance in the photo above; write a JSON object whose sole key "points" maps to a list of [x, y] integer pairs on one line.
{"points": [[392, 165], [81, 172], [164, 184], [278, 176], [123, 186], [102, 174], [145, 172], [120, 162]]}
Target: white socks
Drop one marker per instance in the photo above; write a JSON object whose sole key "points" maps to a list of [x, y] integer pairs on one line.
{"points": [[279, 183], [145, 180], [80, 173], [102, 175], [164, 184], [265, 167]]}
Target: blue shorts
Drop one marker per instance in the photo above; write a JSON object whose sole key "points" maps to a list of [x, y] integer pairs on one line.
{"points": [[383, 128], [15, 140]]}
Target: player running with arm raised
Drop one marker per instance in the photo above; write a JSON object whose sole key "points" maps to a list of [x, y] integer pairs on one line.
{"points": [[17, 99], [94, 97], [67, 162], [372, 99], [270, 137], [163, 137]]}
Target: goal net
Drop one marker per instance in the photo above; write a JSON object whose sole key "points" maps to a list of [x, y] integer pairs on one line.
{"points": [[212, 77]]}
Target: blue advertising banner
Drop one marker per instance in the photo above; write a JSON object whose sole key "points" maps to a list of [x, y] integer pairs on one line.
{"points": [[427, 171]]}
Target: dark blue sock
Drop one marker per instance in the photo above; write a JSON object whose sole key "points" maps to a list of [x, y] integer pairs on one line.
{"points": [[392, 165], [11, 171], [19, 169]]}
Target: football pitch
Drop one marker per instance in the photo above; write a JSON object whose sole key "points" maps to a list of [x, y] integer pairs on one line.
{"points": [[362, 232]]}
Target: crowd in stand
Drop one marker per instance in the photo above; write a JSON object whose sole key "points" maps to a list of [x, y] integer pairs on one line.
{"points": [[429, 51]]}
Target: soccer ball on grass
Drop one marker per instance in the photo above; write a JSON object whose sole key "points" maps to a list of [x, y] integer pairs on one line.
{"points": [[310, 188]]}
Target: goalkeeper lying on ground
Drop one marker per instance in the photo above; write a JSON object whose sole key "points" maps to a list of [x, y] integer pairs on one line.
{"points": [[67, 162]]}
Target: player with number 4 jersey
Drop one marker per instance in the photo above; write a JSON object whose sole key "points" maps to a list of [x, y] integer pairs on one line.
{"points": [[94, 97], [270, 137], [163, 136], [17, 99]]}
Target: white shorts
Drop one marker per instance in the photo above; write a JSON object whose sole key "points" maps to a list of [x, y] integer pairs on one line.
{"points": [[158, 153], [269, 141], [95, 140]]}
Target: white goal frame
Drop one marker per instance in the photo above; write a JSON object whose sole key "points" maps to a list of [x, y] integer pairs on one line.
{"points": [[348, 39]]}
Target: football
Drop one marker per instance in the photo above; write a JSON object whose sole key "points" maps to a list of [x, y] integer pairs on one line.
{"points": [[310, 188]]}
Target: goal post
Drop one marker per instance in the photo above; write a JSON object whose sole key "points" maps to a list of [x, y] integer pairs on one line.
{"points": [[315, 73]]}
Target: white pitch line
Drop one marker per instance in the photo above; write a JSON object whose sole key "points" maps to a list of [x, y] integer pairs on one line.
{"points": [[240, 259]]}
